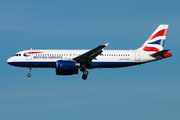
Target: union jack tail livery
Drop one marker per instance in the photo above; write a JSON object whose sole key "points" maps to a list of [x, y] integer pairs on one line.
{"points": [[155, 42]]}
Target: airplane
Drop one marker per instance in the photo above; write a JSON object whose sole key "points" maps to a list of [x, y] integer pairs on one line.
{"points": [[69, 62]]}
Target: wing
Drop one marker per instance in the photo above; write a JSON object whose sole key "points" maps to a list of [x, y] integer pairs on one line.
{"points": [[90, 55]]}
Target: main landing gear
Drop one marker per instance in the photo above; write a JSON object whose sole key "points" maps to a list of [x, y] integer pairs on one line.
{"points": [[29, 74], [85, 73]]}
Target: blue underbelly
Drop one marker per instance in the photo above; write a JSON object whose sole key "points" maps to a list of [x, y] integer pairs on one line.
{"points": [[33, 64], [93, 65]]}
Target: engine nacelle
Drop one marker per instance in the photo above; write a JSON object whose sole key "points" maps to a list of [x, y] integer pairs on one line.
{"points": [[66, 64], [66, 72]]}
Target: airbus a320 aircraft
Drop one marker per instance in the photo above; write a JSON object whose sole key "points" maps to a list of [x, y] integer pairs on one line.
{"points": [[69, 62]]}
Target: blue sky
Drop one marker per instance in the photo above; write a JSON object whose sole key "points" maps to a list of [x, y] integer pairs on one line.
{"points": [[143, 92]]}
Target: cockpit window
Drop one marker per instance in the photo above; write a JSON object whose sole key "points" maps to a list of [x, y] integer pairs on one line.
{"points": [[17, 55]]}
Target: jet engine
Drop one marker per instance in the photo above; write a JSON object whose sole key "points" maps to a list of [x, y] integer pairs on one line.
{"points": [[66, 67], [66, 72], [67, 64]]}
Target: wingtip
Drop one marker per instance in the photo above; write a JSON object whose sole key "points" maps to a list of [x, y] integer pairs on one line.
{"points": [[106, 44]]}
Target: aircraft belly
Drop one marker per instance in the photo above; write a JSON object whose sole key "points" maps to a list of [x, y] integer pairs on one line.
{"points": [[33, 64]]}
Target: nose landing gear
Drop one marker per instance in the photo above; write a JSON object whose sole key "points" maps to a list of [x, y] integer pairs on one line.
{"points": [[29, 74]]}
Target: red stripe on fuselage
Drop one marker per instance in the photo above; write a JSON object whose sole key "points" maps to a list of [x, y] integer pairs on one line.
{"points": [[32, 52], [160, 33]]}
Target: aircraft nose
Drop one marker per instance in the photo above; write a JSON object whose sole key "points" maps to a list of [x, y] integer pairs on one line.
{"points": [[10, 60]]}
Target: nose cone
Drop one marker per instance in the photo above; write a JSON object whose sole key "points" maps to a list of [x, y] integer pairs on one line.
{"points": [[10, 61]]}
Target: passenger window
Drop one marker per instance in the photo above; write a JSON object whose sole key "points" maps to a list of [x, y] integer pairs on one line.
{"points": [[19, 54]]}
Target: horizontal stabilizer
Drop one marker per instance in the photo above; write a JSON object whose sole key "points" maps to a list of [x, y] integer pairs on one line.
{"points": [[159, 53]]}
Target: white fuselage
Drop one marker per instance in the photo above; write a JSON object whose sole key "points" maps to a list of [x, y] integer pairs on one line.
{"points": [[108, 58]]}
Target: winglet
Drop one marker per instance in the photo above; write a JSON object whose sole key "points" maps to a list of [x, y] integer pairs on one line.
{"points": [[106, 44]]}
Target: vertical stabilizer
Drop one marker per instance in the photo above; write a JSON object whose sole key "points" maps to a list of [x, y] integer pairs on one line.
{"points": [[155, 42]]}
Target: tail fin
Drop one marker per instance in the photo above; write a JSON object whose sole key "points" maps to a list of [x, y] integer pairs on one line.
{"points": [[155, 42]]}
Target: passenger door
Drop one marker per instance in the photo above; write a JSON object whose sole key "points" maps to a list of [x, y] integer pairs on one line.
{"points": [[137, 56], [29, 55]]}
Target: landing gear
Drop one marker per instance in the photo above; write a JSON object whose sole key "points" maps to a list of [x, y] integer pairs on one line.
{"points": [[84, 77], [85, 73], [29, 74]]}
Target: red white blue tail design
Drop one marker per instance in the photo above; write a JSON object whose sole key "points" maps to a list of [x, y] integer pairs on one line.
{"points": [[155, 42]]}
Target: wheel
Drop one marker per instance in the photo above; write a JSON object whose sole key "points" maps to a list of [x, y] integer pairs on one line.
{"points": [[85, 72], [29, 75], [84, 77]]}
